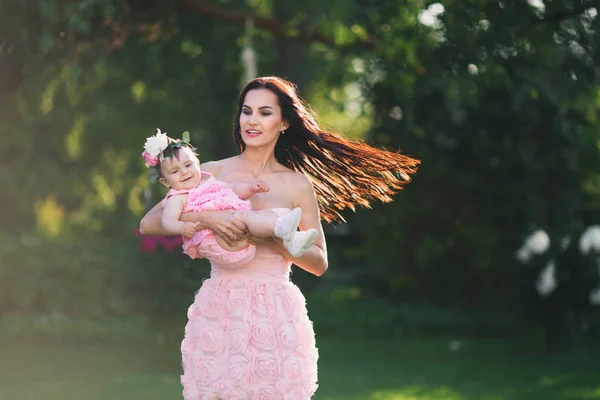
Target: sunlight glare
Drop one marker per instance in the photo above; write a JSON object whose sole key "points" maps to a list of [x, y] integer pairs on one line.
{"points": [[417, 393], [73, 140], [138, 91], [50, 216]]}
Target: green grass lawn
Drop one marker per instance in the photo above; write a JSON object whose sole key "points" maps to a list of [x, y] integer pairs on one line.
{"points": [[348, 370]]}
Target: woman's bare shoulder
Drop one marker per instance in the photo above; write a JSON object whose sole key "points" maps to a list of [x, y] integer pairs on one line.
{"points": [[216, 167], [300, 190], [297, 180]]}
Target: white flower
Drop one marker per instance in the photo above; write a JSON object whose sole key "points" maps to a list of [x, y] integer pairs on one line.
{"points": [[565, 242], [537, 243], [595, 297], [396, 113], [156, 144], [539, 4], [590, 239], [546, 282], [523, 255]]}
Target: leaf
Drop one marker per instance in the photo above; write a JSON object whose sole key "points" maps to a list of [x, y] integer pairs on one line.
{"points": [[185, 137]]}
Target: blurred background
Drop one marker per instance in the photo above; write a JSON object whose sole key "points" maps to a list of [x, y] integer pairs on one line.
{"points": [[480, 281]]}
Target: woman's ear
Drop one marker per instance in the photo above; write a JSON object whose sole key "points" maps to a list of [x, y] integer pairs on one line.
{"points": [[285, 126]]}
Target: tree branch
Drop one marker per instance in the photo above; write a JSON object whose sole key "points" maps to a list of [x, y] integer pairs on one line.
{"points": [[277, 28]]}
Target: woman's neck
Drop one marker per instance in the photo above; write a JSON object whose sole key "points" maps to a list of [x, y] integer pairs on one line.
{"points": [[257, 161]]}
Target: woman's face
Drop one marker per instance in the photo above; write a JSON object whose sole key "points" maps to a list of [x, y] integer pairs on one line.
{"points": [[260, 119]]}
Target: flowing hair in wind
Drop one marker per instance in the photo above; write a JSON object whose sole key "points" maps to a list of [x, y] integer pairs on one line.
{"points": [[344, 172]]}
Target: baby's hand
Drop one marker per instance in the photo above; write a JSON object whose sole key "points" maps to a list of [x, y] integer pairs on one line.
{"points": [[260, 187], [189, 229]]}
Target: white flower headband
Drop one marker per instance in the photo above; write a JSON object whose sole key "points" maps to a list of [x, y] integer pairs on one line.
{"points": [[154, 147]]}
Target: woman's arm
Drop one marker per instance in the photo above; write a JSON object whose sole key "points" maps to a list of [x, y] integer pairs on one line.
{"points": [[315, 259], [151, 223], [223, 223]]}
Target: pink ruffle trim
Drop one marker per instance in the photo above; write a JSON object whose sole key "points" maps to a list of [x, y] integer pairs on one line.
{"points": [[213, 196]]}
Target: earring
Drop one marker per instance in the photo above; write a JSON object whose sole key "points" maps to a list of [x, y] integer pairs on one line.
{"points": [[282, 132]]}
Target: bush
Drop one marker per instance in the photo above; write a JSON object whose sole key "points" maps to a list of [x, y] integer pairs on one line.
{"points": [[346, 312], [94, 276]]}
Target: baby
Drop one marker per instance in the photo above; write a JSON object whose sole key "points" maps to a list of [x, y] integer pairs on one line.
{"points": [[176, 165]]}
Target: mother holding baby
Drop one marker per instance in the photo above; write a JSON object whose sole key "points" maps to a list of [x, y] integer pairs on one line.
{"points": [[248, 334]]}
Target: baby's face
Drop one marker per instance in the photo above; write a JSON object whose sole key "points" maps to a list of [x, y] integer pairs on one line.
{"points": [[182, 173]]}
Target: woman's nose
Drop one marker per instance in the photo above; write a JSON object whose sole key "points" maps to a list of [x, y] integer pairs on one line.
{"points": [[252, 120]]}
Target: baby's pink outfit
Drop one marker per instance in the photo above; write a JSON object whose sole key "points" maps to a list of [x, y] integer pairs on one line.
{"points": [[213, 195]]}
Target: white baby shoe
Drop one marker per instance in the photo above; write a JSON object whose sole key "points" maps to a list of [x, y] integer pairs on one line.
{"points": [[301, 242], [286, 226]]}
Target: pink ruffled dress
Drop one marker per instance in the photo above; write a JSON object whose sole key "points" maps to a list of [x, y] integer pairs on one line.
{"points": [[213, 195], [248, 334]]}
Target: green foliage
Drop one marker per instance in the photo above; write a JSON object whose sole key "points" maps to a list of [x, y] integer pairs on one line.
{"points": [[67, 276], [164, 283], [499, 100], [372, 317], [60, 326], [63, 286], [500, 104], [558, 303]]}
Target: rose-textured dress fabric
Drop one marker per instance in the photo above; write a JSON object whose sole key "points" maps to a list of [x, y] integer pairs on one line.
{"points": [[248, 334]]}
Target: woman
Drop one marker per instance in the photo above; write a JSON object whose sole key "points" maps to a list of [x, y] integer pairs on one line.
{"points": [[248, 334]]}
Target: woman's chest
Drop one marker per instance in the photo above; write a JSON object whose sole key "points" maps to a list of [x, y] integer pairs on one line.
{"points": [[271, 199], [278, 195]]}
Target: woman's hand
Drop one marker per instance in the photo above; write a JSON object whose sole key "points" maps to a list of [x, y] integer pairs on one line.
{"points": [[228, 227]]}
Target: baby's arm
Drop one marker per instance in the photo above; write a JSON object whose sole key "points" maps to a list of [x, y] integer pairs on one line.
{"points": [[246, 190], [170, 218]]}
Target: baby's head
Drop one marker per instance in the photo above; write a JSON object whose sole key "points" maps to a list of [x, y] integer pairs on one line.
{"points": [[172, 162]]}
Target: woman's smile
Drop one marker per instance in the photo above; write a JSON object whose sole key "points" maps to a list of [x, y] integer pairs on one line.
{"points": [[252, 132]]}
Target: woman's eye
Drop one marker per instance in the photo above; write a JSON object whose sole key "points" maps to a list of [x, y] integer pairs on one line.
{"points": [[247, 112], [265, 114]]}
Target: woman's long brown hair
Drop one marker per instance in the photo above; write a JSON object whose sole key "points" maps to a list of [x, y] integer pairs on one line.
{"points": [[344, 172]]}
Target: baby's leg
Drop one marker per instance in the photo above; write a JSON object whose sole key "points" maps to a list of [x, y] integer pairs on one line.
{"points": [[267, 223], [259, 223]]}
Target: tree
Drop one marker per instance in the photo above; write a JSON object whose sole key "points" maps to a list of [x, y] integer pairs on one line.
{"points": [[498, 99]]}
